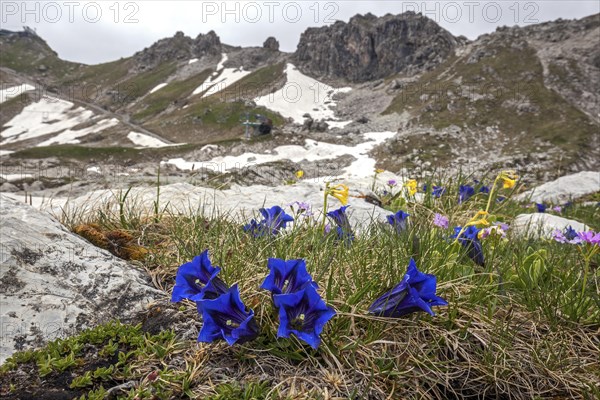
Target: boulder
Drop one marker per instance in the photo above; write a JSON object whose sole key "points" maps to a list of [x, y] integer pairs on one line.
{"points": [[55, 283], [569, 187], [541, 225]]}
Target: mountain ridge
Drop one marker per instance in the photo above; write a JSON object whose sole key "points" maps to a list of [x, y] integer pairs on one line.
{"points": [[536, 87]]}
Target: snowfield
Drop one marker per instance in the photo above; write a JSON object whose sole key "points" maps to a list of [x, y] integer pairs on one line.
{"points": [[302, 94], [220, 79], [144, 141], [14, 91], [311, 151], [52, 116], [72, 136], [158, 87]]}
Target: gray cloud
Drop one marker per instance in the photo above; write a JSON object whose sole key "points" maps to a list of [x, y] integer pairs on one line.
{"points": [[100, 31]]}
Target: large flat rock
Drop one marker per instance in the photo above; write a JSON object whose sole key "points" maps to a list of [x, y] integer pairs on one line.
{"points": [[238, 204], [54, 283], [541, 225], [565, 188]]}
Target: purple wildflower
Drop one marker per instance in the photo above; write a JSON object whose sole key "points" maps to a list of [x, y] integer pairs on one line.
{"points": [[441, 221]]}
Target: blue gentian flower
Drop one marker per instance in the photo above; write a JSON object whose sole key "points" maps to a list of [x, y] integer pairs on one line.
{"points": [[344, 230], [287, 276], [570, 233], [470, 241], [398, 220], [437, 191], [226, 318], [197, 280], [274, 220], [416, 292], [541, 208], [465, 192], [303, 313], [484, 189]]}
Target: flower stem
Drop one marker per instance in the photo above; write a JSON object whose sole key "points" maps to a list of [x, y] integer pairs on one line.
{"points": [[325, 207], [489, 203]]}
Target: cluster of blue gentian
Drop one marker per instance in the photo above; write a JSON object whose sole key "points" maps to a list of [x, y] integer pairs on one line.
{"points": [[223, 313], [465, 192], [301, 309], [469, 239], [416, 292], [274, 219]]}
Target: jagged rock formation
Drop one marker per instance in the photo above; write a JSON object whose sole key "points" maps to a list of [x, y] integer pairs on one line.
{"points": [[368, 47], [271, 43], [179, 47], [54, 283]]}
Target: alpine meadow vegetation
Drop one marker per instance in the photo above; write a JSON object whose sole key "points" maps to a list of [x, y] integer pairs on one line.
{"points": [[442, 301]]}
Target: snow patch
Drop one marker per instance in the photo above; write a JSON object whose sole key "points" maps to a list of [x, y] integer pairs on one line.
{"points": [[5, 152], [47, 116], [144, 141], [14, 91], [72, 136], [220, 79], [14, 177], [158, 87], [193, 60], [302, 94], [311, 151]]}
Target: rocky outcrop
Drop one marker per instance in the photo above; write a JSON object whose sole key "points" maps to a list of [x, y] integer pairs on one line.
{"points": [[565, 188], [179, 47], [368, 47], [55, 284], [271, 43]]}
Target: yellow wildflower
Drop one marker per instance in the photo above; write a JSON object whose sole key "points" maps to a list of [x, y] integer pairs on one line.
{"points": [[481, 221], [379, 171], [509, 179], [412, 187], [299, 174], [340, 192]]}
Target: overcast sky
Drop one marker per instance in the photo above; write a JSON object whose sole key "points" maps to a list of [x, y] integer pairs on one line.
{"points": [[93, 32]]}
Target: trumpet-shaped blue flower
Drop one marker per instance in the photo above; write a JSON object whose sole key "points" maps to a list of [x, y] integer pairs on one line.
{"points": [[437, 191], [344, 230], [484, 189], [274, 220], [465, 192], [541, 208], [303, 313], [226, 318], [398, 220], [197, 280], [416, 292], [287, 276], [470, 241]]}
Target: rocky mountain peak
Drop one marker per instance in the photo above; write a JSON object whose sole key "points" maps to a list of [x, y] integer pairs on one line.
{"points": [[179, 47], [370, 47]]}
